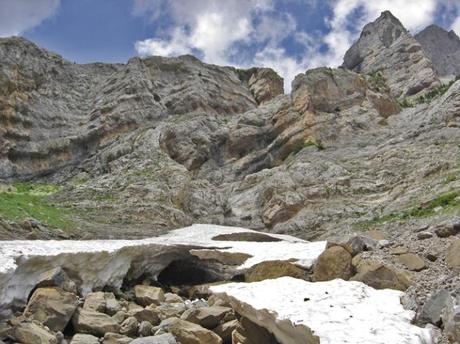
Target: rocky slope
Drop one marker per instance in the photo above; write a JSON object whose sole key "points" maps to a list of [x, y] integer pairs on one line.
{"points": [[443, 49], [135, 150]]}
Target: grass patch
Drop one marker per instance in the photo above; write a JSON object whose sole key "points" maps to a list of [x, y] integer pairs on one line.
{"points": [[448, 201], [305, 144], [30, 200], [377, 82], [428, 96]]}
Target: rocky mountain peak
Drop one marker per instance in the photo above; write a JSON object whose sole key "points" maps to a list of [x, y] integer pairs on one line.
{"points": [[386, 46], [443, 48]]}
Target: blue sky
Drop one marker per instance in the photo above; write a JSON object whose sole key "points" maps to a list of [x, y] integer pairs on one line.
{"points": [[287, 35]]}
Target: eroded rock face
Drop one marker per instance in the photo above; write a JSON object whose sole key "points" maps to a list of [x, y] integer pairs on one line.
{"points": [[386, 46], [443, 49]]}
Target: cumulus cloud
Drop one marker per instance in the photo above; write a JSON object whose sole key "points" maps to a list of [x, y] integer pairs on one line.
{"points": [[18, 16], [253, 32]]}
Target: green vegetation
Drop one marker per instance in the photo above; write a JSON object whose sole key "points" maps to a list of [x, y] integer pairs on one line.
{"points": [[427, 97], [305, 144], [448, 201], [377, 82], [30, 200]]}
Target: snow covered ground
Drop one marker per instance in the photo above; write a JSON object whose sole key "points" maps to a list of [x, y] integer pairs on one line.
{"points": [[107, 262], [338, 312]]}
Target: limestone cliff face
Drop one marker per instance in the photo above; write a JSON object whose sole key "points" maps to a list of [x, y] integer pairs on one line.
{"points": [[443, 49], [160, 143], [386, 46]]}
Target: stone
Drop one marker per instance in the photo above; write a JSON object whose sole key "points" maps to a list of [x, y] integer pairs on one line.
{"points": [[165, 338], [265, 84], [149, 314], [57, 277], [208, 317], [169, 310], [84, 339], [53, 307], [380, 276], [145, 329], [225, 330], [273, 269], [146, 295], [129, 327], [447, 229], [95, 323], [247, 332], [333, 263], [451, 318], [412, 261], [172, 298], [115, 338], [432, 309], [399, 250], [102, 302], [361, 243], [375, 234], [32, 333], [424, 235], [190, 333], [453, 255], [120, 316]]}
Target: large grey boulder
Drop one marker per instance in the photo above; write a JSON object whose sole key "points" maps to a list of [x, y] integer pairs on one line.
{"points": [[451, 317], [386, 46], [95, 323], [432, 309]]}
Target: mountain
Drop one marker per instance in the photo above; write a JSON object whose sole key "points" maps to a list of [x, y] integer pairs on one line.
{"points": [[385, 46], [443, 49], [133, 150]]}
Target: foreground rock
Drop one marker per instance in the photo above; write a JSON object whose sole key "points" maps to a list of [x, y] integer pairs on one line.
{"points": [[332, 312], [52, 307], [101, 264], [187, 332]]}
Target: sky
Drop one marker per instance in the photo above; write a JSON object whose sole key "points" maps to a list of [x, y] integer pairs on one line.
{"points": [[289, 36]]}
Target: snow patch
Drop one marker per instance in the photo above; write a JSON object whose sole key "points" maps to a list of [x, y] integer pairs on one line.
{"points": [[338, 312], [99, 263]]}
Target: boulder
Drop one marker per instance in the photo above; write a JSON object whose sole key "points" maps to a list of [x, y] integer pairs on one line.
{"points": [[447, 229], [399, 250], [165, 338], [225, 330], [33, 333], [146, 295], [129, 327], [172, 298], [145, 329], [380, 276], [115, 338], [360, 243], [432, 309], [84, 339], [95, 323], [412, 261], [273, 269], [451, 317], [169, 310], [333, 263], [57, 277], [149, 314], [53, 307], [453, 255], [102, 302], [247, 332], [190, 333], [208, 317]]}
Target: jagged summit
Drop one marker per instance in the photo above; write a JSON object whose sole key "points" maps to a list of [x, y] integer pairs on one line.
{"points": [[386, 46], [443, 48]]}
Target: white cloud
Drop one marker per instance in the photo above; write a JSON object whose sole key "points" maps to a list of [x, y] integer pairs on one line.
{"points": [[251, 32], [18, 16]]}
